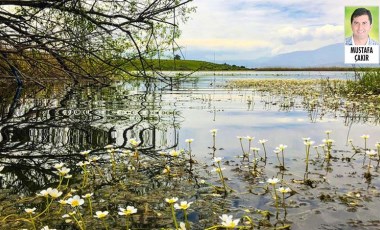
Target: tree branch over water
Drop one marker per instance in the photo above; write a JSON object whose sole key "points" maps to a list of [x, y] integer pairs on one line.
{"points": [[92, 39]]}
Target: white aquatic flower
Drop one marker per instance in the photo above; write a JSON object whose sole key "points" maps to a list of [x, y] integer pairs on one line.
{"points": [[218, 170], [308, 142], [273, 180], [250, 138], [58, 165], [101, 214], [63, 171], [171, 200], [87, 195], [282, 147], [217, 159], [128, 211], [213, 131], [371, 153], [54, 192], [183, 205], [255, 149], [365, 136], [30, 210], [328, 141], [284, 190], [174, 153], [44, 193], [75, 201], [262, 141], [182, 226], [228, 222], [94, 158], [189, 140]]}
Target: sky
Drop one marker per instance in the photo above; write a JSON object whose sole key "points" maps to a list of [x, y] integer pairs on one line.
{"points": [[234, 30]]}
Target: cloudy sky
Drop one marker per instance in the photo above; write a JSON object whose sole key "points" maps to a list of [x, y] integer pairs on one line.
{"points": [[250, 29]]}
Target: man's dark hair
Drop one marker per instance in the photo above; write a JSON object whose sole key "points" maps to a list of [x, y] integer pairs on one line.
{"points": [[361, 11]]}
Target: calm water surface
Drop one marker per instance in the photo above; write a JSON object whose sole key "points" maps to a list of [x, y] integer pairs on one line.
{"points": [[41, 128]]}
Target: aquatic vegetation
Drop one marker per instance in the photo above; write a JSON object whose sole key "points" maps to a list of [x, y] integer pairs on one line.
{"points": [[132, 184]]}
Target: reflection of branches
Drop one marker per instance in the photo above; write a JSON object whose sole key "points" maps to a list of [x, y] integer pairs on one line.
{"points": [[41, 132]]}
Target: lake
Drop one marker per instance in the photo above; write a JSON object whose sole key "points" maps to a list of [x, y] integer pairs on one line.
{"points": [[43, 127]]}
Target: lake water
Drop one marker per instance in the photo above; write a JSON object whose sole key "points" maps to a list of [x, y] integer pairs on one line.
{"points": [[55, 124]]}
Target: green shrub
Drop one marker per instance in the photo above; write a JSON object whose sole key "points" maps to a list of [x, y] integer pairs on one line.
{"points": [[367, 81]]}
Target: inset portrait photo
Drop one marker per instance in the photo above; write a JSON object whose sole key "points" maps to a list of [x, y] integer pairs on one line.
{"points": [[361, 25], [361, 43]]}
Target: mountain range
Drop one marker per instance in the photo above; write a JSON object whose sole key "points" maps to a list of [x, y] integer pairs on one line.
{"points": [[327, 56]]}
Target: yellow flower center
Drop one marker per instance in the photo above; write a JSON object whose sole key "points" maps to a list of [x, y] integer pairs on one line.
{"points": [[75, 203]]}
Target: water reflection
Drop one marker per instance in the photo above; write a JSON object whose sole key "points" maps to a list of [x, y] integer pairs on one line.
{"points": [[37, 131]]}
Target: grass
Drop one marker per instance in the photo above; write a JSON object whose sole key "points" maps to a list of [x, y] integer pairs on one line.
{"points": [[184, 65]]}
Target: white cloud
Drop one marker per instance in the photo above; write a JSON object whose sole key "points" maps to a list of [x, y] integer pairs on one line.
{"points": [[290, 35], [269, 27]]}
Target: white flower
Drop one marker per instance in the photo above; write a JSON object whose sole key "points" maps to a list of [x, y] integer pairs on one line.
{"points": [[68, 176], [174, 153], [94, 158], [58, 165], [255, 149], [218, 159], [88, 195], [328, 141], [62, 201], [228, 222], [250, 138], [183, 205], [282, 147], [365, 136], [44, 193], [189, 140], [100, 214], [182, 226], [371, 153], [75, 201], [213, 132], [128, 211], [30, 210], [328, 131], [284, 190], [54, 192], [171, 200], [273, 181], [217, 169], [262, 141], [308, 142], [63, 171]]}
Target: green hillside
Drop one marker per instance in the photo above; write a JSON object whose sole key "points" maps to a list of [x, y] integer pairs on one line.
{"points": [[186, 65]]}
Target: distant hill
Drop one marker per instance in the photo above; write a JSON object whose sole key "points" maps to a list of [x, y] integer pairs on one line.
{"points": [[186, 65], [332, 55]]}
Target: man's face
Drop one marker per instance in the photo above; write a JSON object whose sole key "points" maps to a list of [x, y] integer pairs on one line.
{"points": [[361, 27]]}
